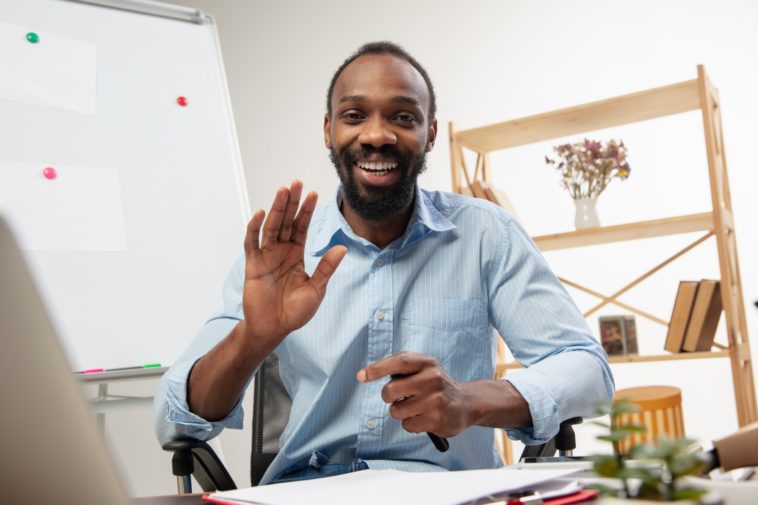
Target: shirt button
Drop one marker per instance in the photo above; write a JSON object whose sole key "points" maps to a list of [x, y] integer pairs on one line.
{"points": [[380, 262], [380, 315], [370, 424]]}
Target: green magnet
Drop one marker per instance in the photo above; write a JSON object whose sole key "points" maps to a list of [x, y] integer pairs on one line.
{"points": [[32, 37]]}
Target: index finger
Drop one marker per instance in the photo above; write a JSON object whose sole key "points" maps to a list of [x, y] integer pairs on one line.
{"points": [[403, 363]]}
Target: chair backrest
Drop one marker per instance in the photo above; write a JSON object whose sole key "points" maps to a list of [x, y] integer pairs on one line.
{"points": [[271, 411]]}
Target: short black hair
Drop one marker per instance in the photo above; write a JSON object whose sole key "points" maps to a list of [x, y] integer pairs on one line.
{"points": [[390, 48]]}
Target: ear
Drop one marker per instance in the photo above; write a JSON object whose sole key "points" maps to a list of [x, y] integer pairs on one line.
{"points": [[327, 132], [431, 136]]}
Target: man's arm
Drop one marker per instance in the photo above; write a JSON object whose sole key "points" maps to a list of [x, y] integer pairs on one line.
{"points": [[278, 297], [566, 372]]}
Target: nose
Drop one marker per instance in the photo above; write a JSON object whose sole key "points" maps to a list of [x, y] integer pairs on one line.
{"points": [[376, 132]]}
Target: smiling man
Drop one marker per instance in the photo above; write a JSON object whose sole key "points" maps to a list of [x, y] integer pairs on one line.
{"points": [[384, 306]]}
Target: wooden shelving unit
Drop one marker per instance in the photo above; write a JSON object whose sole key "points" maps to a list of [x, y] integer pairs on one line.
{"points": [[696, 94], [503, 366]]}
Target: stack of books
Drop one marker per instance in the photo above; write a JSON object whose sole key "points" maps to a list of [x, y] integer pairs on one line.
{"points": [[696, 314]]}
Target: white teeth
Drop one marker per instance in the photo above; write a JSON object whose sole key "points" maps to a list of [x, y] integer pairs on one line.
{"points": [[376, 166]]}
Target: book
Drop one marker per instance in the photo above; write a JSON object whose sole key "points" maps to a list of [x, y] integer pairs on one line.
{"points": [[706, 312], [618, 335], [680, 315]]}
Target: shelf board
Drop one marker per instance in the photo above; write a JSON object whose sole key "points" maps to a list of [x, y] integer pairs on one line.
{"points": [[649, 104], [501, 367], [627, 231]]}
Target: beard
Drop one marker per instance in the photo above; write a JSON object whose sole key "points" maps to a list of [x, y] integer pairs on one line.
{"points": [[383, 202]]}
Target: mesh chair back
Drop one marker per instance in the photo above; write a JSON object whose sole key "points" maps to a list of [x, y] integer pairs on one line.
{"points": [[271, 411]]}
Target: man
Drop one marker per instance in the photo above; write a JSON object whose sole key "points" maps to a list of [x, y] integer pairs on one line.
{"points": [[382, 307]]}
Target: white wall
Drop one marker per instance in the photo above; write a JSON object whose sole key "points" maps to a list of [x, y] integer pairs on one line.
{"points": [[495, 60]]}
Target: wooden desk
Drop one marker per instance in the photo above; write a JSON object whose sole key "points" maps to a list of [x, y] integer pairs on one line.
{"points": [[183, 499]]}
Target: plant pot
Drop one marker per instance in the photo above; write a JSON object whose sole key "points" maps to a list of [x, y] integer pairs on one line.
{"points": [[586, 213]]}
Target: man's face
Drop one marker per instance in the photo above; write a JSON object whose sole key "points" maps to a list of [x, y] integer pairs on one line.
{"points": [[379, 134]]}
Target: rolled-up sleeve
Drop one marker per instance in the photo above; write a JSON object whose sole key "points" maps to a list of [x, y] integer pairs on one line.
{"points": [[172, 417], [566, 371]]}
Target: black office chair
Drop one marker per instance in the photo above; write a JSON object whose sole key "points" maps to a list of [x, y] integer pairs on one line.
{"points": [[564, 442], [271, 407]]}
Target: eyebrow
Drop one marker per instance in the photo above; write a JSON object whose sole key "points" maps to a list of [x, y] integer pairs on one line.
{"points": [[398, 99]]}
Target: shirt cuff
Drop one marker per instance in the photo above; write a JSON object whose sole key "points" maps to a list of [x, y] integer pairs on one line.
{"points": [[544, 410], [177, 407]]}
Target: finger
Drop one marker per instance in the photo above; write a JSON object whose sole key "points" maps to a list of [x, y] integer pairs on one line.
{"points": [[326, 267], [303, 219], [400, 387], [296, 189], [273, 222], [409, 407], [252, 234], [405, 363], [417, 424]]}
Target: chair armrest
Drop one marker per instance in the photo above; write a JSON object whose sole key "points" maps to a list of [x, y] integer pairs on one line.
{"points": [[197, 458], [564, 442]]}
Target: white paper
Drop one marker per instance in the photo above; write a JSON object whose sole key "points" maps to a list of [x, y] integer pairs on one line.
{"points": [[382, 487], [55, 72], [79, 210]]}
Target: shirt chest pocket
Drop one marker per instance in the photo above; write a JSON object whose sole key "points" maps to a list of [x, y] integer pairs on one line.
{"points": [[455, 331]]}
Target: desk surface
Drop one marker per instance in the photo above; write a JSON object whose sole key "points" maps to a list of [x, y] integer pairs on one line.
{"points": [[184, 499]]}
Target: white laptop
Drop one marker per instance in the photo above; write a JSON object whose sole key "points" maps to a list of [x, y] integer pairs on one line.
{"points": [[52, 452]]}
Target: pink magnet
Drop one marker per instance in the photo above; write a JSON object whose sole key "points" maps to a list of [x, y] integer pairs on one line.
{"points": [[182, 100], [50, 173]]}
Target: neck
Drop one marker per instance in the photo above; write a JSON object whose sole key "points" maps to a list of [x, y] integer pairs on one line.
{"points": [[380, 233]]}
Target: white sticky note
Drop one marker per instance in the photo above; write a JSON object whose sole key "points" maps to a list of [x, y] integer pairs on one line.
{"points": [[56, 72], [78, 210]]}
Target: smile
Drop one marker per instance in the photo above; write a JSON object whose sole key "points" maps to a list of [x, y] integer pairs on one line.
{"points": [[376, 167]]}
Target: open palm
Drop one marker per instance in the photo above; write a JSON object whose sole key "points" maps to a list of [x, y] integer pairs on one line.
{"points": [[278, 295]]}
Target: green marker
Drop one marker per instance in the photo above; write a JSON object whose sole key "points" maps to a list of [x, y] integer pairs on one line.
{"points": [[32, 37], [152, 365]]}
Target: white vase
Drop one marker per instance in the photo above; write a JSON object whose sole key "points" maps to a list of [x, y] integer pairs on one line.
{"points": [[586, 213]]}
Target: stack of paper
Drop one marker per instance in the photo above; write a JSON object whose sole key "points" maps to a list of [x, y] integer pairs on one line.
{"points": [[382, 487]]}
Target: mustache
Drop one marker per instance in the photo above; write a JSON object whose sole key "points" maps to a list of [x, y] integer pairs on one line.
{"points": [[350, 156]]}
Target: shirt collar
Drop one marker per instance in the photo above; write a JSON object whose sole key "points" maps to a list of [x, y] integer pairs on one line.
{"points": [[335, 230]]}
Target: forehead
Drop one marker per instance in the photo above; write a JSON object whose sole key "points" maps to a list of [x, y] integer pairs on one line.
{"points": [[380, 76]]}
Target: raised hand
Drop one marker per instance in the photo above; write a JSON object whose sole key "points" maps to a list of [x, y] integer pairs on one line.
{"points": [[279, 296]]}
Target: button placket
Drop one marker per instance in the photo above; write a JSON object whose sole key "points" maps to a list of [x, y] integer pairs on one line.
{"points": [[380, 338]]}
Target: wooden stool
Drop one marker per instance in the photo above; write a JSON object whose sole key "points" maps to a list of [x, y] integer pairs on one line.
{"points": [[660, 413]]}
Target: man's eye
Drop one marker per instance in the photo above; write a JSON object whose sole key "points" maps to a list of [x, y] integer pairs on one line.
{"points": [[352, 116], [405, 118]]}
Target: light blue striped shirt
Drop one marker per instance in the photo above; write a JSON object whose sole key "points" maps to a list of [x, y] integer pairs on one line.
{"points": [[462, 272]]}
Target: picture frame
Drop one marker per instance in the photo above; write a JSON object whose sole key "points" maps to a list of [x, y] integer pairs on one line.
{"points": [[618, 335]]}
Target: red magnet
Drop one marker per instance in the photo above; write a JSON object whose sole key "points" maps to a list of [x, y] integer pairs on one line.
{"points": [[182, 100], [50, 173]]}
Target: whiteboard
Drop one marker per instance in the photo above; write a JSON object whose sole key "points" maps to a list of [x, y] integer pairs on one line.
{"points": [[174, 222]]}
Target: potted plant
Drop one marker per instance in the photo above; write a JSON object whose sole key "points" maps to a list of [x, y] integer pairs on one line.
{"points": [[657, 476], [586, 169]]}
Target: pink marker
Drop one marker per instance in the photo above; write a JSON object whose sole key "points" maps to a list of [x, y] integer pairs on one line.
{"points": [[95, 370], [50, 173]]}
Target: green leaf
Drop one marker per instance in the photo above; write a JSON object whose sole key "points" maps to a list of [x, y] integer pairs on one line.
{"points": [[606, 465], [612, 437], [605, 490], [623, 406], [601, 424], [688, 493], [627, 429]]}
